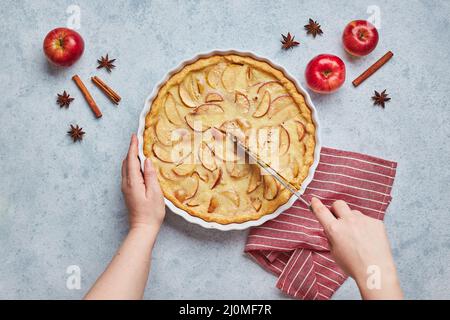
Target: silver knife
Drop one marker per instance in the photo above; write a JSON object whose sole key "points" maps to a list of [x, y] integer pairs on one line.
{"points": [[269, 170]]}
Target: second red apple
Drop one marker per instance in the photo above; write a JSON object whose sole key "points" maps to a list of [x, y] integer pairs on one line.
{"points": [[325, 73]]}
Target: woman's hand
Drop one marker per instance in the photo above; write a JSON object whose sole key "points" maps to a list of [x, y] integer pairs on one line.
{"points": [[127, 274], [360, 246], [143, 195]]}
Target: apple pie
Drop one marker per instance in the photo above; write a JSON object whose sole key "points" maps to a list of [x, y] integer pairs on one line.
{"points": [[199, 168]]}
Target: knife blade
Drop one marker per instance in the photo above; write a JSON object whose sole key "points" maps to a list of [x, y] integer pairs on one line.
{"points": [[269, 170]]}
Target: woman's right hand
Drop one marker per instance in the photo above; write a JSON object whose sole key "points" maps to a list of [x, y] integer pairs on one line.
{"points": [[360, 246]]}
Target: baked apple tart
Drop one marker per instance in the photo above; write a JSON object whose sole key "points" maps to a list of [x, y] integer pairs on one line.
{"points": [[187, 138]]}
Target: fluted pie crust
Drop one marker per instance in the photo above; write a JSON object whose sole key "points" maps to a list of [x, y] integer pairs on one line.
{"points": [[229, 91]]}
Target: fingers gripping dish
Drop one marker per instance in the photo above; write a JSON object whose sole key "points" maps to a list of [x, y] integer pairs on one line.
{"points": [[199, 168]]}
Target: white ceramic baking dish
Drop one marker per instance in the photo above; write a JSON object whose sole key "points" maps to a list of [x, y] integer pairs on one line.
{"points": [[247, 224]]}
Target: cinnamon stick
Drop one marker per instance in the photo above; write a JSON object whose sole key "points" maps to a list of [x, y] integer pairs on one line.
{"points": [[87, 96], [373, 68], [112, 95]]}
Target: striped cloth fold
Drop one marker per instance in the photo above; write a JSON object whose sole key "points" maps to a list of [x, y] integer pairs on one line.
{"points": [[293, 246]]}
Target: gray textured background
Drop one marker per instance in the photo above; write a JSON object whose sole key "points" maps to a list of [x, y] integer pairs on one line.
{"points": [[60, 203]]}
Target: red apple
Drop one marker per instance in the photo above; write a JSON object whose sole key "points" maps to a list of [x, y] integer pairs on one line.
{"points": [[325, 73], [360, 37], [63, 46]]}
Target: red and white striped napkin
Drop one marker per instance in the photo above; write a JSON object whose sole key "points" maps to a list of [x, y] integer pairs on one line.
{"points": [[294, 247]]}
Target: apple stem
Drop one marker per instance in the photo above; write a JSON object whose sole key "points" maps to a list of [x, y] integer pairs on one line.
{"points": [[361, 35], [326, 73]]}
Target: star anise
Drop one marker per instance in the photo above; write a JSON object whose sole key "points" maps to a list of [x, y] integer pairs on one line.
{"points": [[288, 41], [104, 62], [380, 98], [64, 99], [76, 133], [313, 28]]}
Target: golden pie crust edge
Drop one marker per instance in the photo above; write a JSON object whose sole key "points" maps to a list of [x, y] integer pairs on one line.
{"points": [[176, 79]]}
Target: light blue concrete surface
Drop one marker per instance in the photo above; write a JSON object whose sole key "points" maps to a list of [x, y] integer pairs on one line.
{"points": [[61, 205]]}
